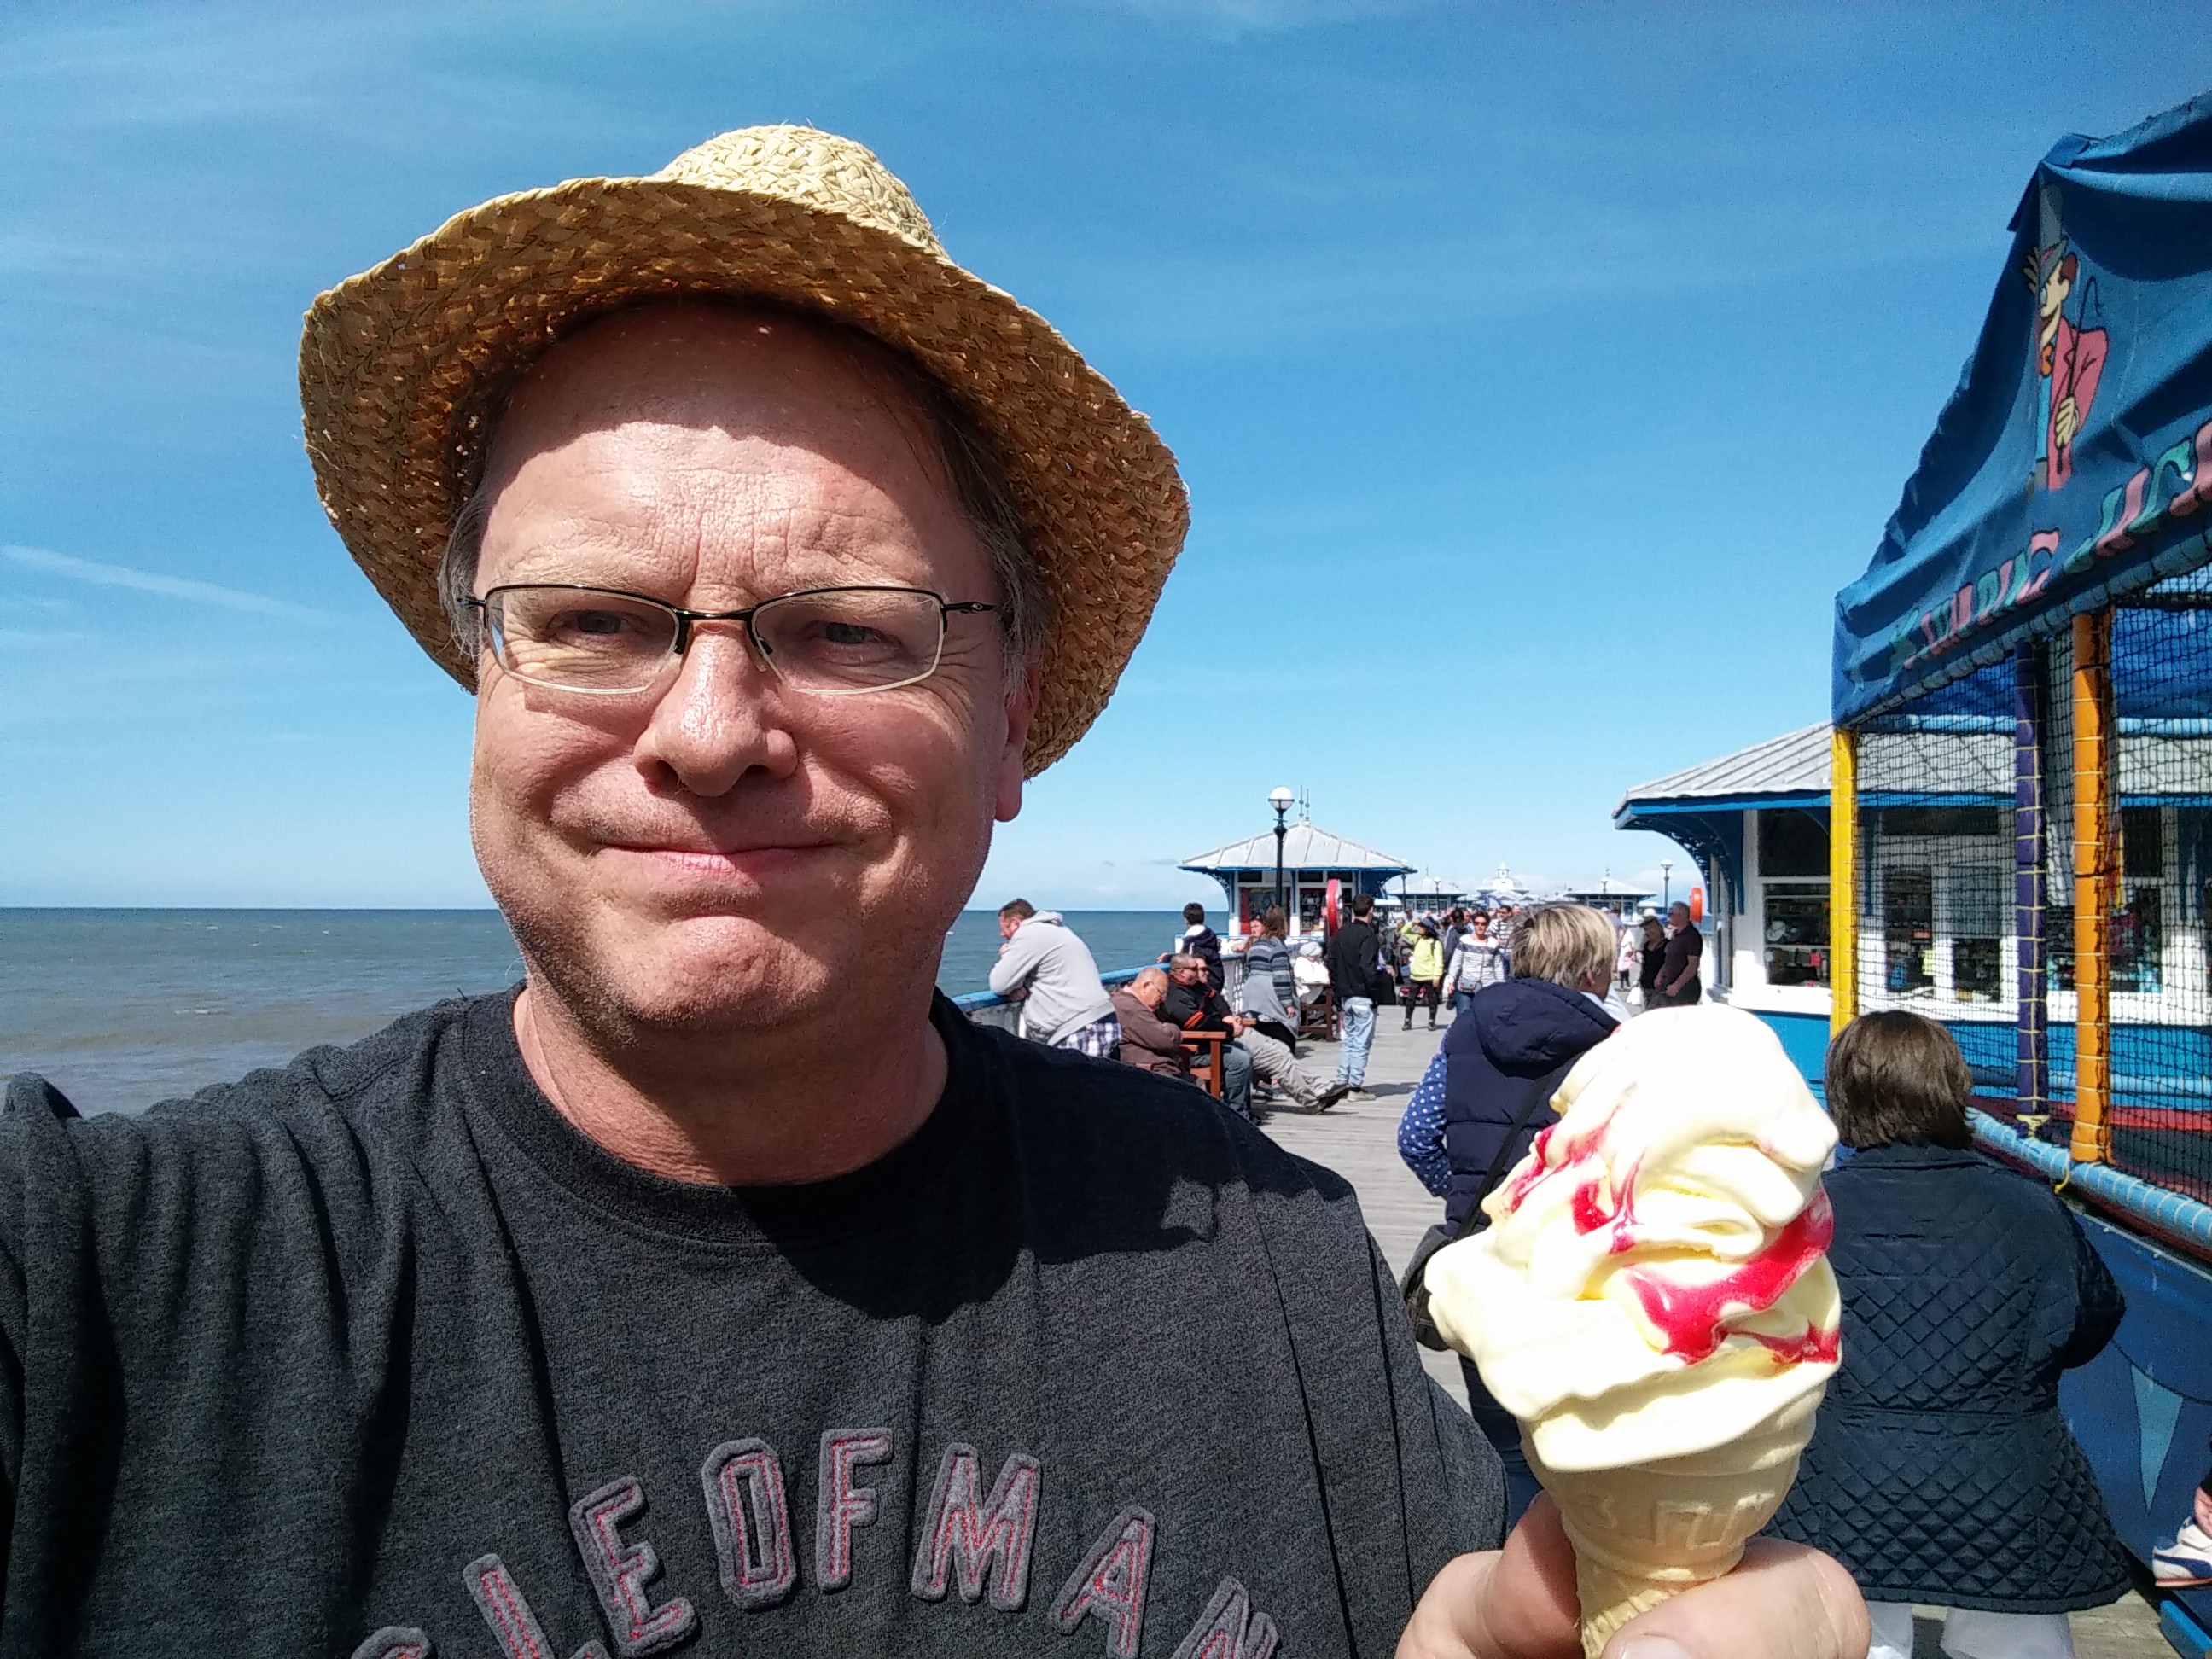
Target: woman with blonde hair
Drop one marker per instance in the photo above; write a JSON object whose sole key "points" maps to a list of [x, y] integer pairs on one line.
{"points": [[1487, 1094]]}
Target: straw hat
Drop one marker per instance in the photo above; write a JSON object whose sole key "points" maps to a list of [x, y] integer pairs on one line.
{"points": [[404, 367]]}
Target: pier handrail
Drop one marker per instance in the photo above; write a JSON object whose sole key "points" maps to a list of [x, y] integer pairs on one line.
{"points": [[2175, 1217], [971, 1003]]}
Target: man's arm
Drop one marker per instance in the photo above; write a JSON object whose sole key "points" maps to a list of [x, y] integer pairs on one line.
{"points": [[1017, 961], [1691, 961], [1143, 1028]]}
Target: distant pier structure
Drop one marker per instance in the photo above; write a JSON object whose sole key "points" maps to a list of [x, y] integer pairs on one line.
{"points": [[1425, 890], [1618, 898], [1312, 857]]}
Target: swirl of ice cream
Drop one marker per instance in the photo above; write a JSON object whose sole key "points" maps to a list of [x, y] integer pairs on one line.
{"points": [[1653, 1283]]}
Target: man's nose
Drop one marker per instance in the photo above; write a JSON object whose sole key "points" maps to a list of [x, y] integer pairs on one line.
{"points": [[723, 715]]}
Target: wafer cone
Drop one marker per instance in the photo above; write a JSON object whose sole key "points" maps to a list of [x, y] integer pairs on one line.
{"points": [[1651, 1530]]}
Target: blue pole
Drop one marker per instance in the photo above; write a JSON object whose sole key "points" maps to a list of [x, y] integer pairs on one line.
{"points": [[2029, 679]]}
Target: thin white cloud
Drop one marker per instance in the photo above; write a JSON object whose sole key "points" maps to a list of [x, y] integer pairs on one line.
{"points": [[151, 581]]}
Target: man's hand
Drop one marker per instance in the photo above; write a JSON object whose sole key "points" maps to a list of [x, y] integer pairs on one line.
{"points": [[1785, 1601]]}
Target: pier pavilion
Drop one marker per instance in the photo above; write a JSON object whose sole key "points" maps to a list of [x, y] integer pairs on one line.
{"points": [[1312, 857]]}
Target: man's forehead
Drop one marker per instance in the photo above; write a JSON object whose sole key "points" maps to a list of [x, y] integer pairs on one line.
{"points": [[724, 368], [754, 451]]}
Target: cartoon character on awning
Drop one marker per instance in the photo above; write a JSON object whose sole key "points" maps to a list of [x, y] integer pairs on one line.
{"points": [[2070, 358]]}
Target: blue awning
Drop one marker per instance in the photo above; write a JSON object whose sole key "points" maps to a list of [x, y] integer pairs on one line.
{"points": [[2074, 462]]}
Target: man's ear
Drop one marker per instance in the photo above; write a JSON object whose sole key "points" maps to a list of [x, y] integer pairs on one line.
{"points": [[1021, 709]]}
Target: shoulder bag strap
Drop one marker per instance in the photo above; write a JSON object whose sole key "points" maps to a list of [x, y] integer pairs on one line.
{"points": [[1542, 1092]]}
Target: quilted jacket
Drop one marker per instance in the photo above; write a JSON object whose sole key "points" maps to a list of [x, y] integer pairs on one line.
{"points": [[1941, 1470]]}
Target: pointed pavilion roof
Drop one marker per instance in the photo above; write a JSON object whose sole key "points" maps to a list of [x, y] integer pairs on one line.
{"points": [[1305, 848]]}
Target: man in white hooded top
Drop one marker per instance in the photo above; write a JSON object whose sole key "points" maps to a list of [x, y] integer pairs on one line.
{"points": [[1052, 973]]}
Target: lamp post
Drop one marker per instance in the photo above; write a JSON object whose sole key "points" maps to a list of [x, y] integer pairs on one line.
{"points": [[1665, 885], [1281, 800]]}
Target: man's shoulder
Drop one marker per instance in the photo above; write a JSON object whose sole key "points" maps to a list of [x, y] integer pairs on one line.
{"points": [[1118, 1125], [373, 1087], [1128, 1006]]}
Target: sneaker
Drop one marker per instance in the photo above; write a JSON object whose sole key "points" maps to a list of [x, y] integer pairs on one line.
{"points": [[2186, 1561], [1329, 1097], [1358, 1096]]}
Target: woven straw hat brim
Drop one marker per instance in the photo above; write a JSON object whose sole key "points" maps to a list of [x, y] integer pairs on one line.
{"points": [[403, 368]]}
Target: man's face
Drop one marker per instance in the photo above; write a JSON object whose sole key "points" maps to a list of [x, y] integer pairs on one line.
{"points": [[1678, 916], [723, 852], [1182, 976], [1009, 926]]}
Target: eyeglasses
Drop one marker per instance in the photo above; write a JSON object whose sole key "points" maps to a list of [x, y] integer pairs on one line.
{"points": [[834, 642]]}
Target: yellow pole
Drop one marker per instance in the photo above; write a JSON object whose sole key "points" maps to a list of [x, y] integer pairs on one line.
{"points": [[2095, 887], [1843, 878]]}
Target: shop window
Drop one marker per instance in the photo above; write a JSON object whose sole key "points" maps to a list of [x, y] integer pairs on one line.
{"points": [[2138, 937], [2058, 945], [1908, 928], [1797, 929], [1792, 843], [1975, 924], [2142, 842], [2136, 941]]}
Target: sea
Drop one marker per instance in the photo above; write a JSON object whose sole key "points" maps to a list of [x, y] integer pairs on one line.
{"points": [[121, 1008]]}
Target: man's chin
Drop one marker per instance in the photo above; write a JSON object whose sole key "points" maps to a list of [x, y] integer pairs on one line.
{"points": [[723, 972], [697, 975]]}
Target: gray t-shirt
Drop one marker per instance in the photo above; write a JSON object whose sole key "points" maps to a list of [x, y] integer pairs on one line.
{"points": [[376, 1355]]}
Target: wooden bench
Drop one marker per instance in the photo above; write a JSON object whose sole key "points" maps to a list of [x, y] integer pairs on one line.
{"points": [[1206, 1066]]}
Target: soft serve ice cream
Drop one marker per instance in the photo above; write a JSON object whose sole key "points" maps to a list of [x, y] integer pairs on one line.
{"points": [[1652, 1299]]}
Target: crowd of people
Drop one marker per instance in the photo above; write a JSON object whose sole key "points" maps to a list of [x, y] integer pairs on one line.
{"points": [[1163, 1016], [1435, 962]]}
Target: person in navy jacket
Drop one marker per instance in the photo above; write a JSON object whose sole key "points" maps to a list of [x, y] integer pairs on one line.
{"points": [[1487, 1094], [1940, 1471]]}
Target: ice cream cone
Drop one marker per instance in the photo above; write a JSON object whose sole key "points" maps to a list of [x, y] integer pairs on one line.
{"points": [[1649, 1531]]}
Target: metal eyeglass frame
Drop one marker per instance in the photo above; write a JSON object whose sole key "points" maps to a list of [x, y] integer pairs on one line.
{"points": [[685, 618]]}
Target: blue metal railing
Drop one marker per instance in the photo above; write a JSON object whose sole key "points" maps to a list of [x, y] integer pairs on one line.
{"points": [[2161, 1211], [989, 1008]]}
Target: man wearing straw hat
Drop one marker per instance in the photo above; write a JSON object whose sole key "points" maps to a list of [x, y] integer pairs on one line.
{"points": [[720, 1285]]}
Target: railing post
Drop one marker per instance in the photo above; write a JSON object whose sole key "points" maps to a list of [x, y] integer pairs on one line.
{"points": [[2032, 1089], [1843, 878], [2094, 886]]}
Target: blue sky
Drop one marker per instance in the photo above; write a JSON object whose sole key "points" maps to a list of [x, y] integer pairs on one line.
{"points": [[1539, 373]]}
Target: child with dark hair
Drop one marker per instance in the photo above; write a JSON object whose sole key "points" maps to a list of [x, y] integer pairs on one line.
{"points": [[1940, 1471], [1201, 941]]}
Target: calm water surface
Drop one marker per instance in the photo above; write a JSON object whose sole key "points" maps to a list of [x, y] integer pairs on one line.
{"points": [[121, 1008]]}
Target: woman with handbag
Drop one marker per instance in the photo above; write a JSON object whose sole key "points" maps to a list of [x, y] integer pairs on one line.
{"points": [[1487, 1094]]}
